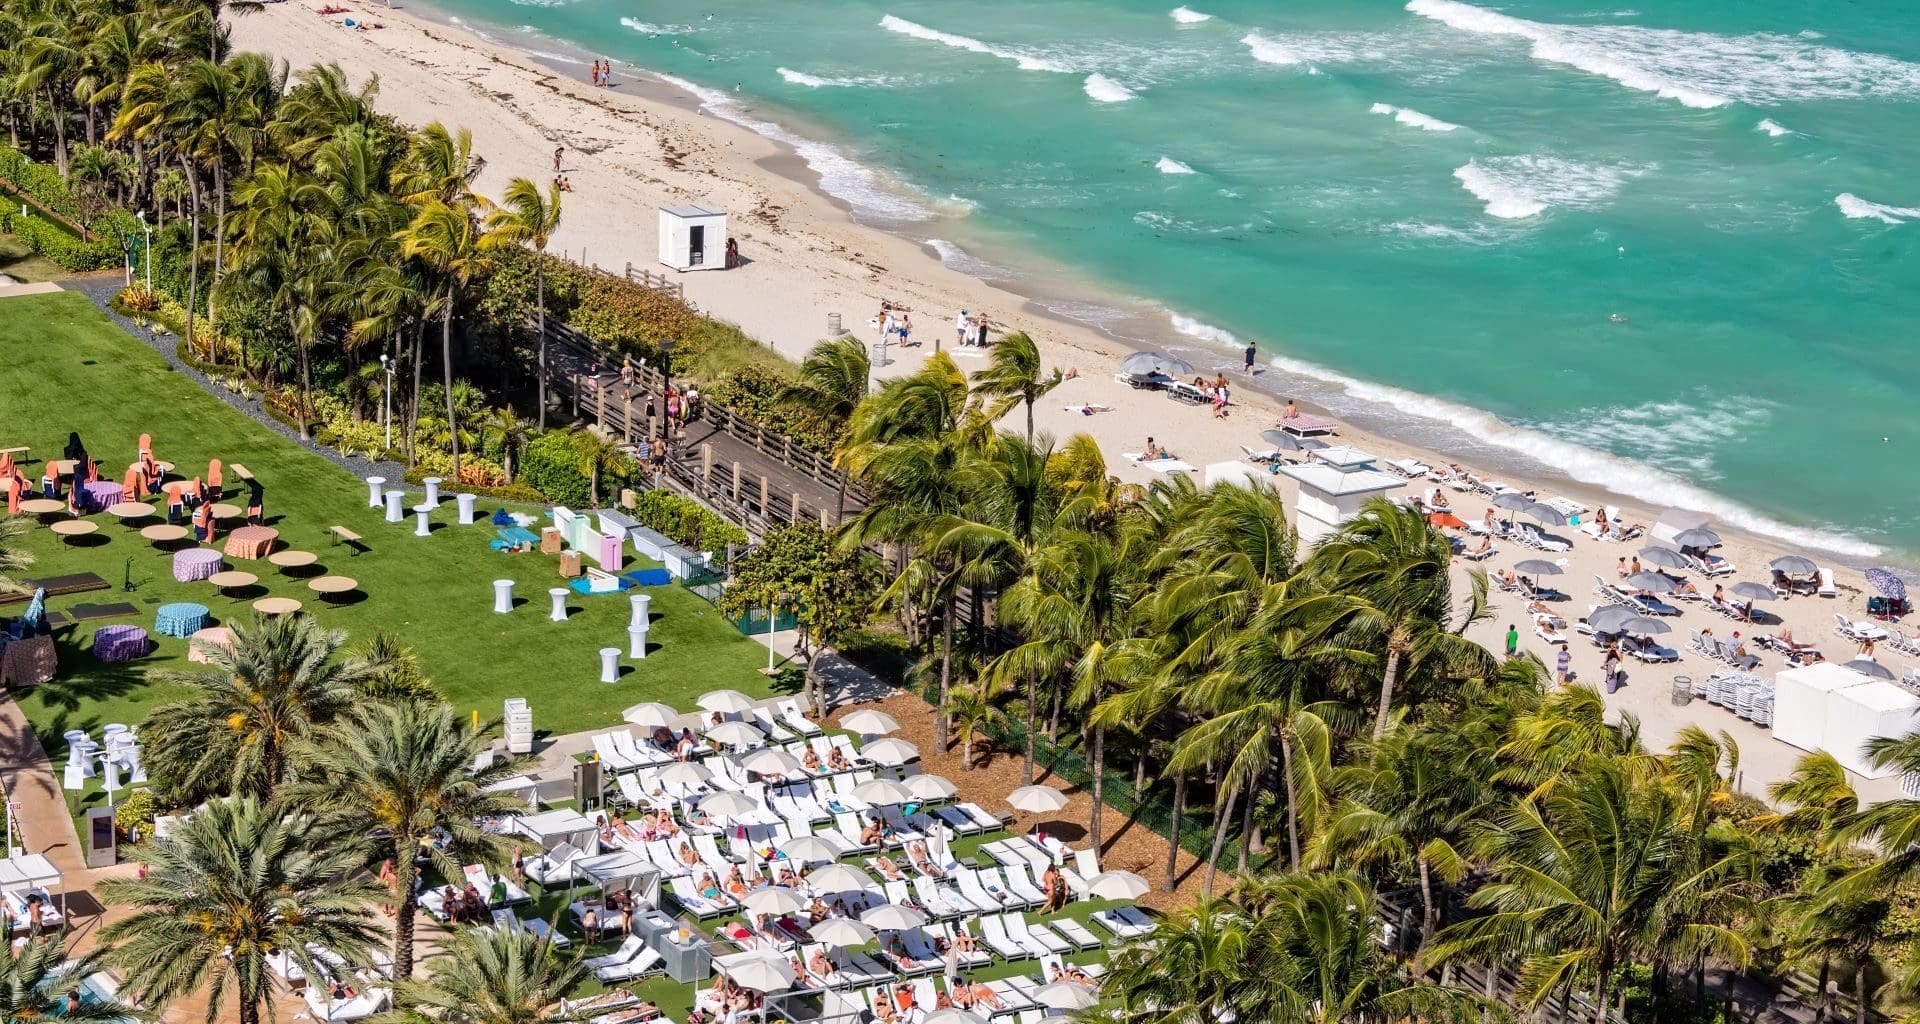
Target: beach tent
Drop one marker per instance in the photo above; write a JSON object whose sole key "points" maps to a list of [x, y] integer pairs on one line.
{"points": [[552, 828], [693, 237], [630, 876], [1861, 713], [1674, 522], [1801, 698]]}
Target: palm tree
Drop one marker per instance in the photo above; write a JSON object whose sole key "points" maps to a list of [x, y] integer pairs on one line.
{"points": [[1391, 569], [512, 432], [283, 253], [392, 670], [448, 239], [1202, 966], [596, 455], [238, 731], [974, 708], [1014, 377], [831, 384], [237, 882], [492, 976], [36, 976], [406, 771], [528, 217]]}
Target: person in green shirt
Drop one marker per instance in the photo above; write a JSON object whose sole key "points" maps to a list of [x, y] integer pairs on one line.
{"points": [[1513, 641]]}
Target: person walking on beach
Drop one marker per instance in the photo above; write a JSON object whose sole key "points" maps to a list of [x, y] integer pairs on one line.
{"points": [[1249, 357], [558, 151], [1513, 641], [1562, 665], [960, 325]]}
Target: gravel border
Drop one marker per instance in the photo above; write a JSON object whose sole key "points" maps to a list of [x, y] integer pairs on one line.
{"points": [[101, 290]]}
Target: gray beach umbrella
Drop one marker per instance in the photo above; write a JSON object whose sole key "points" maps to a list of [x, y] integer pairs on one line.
{"points": [[1699, 537], [1545, 515], [1645, 626], [1753, 591], [1870, 668], [1143, 363], [1658, 582], [1538, 567], [1512, 501], [1611, 618], [1793, 565], [1665, 558]]}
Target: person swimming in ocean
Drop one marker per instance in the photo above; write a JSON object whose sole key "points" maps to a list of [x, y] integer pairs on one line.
{"points": [[1617, 318]]}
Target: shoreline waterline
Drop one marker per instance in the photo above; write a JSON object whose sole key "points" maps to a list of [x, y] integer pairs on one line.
{"points": [[1397, 416]]}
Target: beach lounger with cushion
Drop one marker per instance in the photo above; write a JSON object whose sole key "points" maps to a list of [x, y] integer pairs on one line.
{"points": [[554, 866], [1125, 922], [1158, 465], [1409, 468], [647, 961], [796, 719]]}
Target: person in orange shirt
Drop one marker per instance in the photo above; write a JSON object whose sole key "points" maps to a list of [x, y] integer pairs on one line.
{"points": [[13, 493], [6, 464]]}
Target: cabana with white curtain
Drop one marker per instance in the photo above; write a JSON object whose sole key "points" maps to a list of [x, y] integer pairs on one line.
{"points": [[551, 828], [629, 876]]}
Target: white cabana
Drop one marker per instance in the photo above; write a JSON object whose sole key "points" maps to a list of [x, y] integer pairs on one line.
{"points": [[693, 237], [1333, 487], [1858, 714], [551, 828], [1801, 699], [28, 872], [630, 876], [525, 786]]}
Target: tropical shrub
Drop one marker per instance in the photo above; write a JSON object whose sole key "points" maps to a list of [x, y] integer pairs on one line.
{"points": [[551, 465], [686, 522]]}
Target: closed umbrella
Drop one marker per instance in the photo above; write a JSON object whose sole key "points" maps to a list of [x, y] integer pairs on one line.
{"points": [[1888, 584], [1064, 995], [773, 900], [1117, 885], [685, 773], [1545, 515], [841, 932], [761, 973], [1142, 363], [868, 722], [882, 793], [1753, 591], [1793, 565], [930, 787], [1698, 537], [890, 752], [893, 917], [651, 715], [726, 701], [728, 805], [771, 761], [1037, 799], [1870, 668], [737, 734], [809, 850], [1658, 582], [1664, 558]]}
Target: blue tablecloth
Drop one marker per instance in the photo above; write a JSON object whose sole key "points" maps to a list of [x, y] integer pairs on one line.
{"points": [[181, 619]]}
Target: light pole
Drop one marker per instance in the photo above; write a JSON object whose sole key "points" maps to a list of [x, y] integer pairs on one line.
{"points": [[147, 246], [386, 397]]}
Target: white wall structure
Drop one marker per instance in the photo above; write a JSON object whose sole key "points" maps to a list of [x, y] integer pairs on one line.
{"points": [[1333, 486], [1857, 714], [693, 237]]}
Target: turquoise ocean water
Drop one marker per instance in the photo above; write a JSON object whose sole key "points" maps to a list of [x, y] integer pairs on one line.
{"points": [[1423, 212]]}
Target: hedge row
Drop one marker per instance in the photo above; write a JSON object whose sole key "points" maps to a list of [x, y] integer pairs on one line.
{"points": [[39, 181], [61, 246], [686, 522]]}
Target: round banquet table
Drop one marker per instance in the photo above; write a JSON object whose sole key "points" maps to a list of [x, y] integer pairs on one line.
{"points": [[212, 636], [224, 511], [103, 493], [251, 541], [180, 619], [195, 564], [71, 528], [223, 581], [43, 506], [128, 511], [276, 606], [290, 559], [119, 643], [332, 586], [164, 533]]}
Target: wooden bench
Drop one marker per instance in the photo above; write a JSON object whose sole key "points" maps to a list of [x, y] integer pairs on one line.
{"points": [[241, 472], [352, 539], [57, 586], [16, 450], [89, 612]]}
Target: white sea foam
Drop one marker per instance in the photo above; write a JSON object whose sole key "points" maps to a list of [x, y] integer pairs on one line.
{"points": [[471, 30], [1524, 186], [1620, 475], [1311, 48], [1025, 61], [1699, 69], [831, 82], [841, 176], [1856, 208], [655, 30], [1413, 117], [1188, 16], [1772, 127], [1169, 165], [1102, 89], [955, 258], [555, 58], [1478, 235]]}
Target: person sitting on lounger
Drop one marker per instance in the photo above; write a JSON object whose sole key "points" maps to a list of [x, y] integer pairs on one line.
{"points": [[810, 760], [686, 854], [1547, 632], [663, 822], [606, 828], [981, 995], [837, 761], [709, 889], [624, 831], [1687, 589], [736, 883], [870, 833], [819, 966]]}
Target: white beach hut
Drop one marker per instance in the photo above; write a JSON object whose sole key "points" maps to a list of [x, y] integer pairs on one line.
{"points": [[1860, 713], [1802, 698], [693, 237], [1333, 487]]}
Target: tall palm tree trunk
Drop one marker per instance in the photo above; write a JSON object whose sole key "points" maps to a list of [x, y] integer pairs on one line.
{"points": [[1173, 830], [1099, 780], [1033, 700], [413, 407], [406, 874], [1223, 816], [1859, 990], [193, 251], [1392, 675], [306, 384], [219, 248], [1029, 420], [946, 672], [1247, 832], [446, 373], [540, 299], [1293, 803], [1826, 999]]}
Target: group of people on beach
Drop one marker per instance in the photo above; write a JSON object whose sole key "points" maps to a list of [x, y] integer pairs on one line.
{"points": [[602, 74]]}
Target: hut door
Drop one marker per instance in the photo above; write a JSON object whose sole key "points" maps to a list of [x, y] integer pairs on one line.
{"points": [[696, 245]]}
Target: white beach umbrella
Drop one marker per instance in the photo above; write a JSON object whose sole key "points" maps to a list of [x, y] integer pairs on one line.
{"points": [[1064, 995], [1117, 885], [893, 917], [773, 900], [839, 878], [768, 973], [930, 787], [1037, 799], [868, 722], [737, 734], [954, 1015], [890, 752], [652, 715], [728, 805], [771, 761], [726, 701], [841, 932], [883, 793], [685, 773], [809, 850]]}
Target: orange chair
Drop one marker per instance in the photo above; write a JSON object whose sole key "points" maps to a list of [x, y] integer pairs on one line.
{"points": [[134, 484], [214, 480], [146, 445]]}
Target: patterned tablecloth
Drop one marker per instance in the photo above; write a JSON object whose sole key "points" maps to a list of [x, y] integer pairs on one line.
{"points": [[212, 636], [119, 643], [101, 493], [195, 564], [251, 541], [181, 619]]}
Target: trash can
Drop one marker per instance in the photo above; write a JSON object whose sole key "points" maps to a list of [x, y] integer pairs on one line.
{"points": [[834, 330], [1682, 691]]}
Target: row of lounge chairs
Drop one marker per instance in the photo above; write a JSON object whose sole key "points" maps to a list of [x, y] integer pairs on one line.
{"points": [[1641, 603], [1719, 650]]}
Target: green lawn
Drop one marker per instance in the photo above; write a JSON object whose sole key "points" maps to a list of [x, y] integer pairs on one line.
{"points": [[21, 263], [64, 366]]}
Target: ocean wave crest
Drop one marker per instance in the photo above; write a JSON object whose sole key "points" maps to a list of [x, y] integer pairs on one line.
{"points": [[1168, 165], [829, 82], [1699, 69], [1188, 16], [1102, 89], [1772, 127], [1856, 208], [652, 29], [1413, 118], [1312, 48], [1025, 61], [1523, 186]]}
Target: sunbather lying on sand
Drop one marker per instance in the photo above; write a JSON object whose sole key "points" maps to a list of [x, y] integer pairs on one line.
{"points": [[1090, 408]]}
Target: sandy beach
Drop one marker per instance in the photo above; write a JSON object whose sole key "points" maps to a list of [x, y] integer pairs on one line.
{"points": [[645, 143]]}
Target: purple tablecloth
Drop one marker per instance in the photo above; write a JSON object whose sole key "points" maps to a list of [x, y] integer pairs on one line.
{"points": [[195, 564], [101, 494], [119, 643]]}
